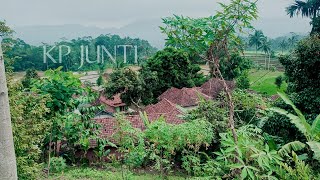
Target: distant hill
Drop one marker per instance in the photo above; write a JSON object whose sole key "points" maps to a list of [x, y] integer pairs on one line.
{"points": [[144, 29], [35, 35]]}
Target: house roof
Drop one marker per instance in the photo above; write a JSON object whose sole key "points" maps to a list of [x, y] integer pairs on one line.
{"points": [[109, 124], [184, 97], [163, 106], [166, 107], [114, 102], [214, 86]]}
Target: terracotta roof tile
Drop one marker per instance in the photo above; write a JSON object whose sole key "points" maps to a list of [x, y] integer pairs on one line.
{"points": [[109, 124], [184, 97], [214, 86], [163, 106], [114, 102]]}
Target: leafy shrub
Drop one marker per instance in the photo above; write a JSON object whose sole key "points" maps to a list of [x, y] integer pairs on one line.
{"points": [[303, 72], [278, 81], [27, 80], [249, 107], [57, 164], [160, 142], [100, 81], [61, 86], [311, 132], [243, 81], [212, 112], [131, 142], [235, 67], [29, 127], [252, 158]]}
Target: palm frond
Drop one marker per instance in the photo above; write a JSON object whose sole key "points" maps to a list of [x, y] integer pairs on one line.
{"points": [[315, 147], [303, 126], [315, 128], [291, 146], [302, 120]]}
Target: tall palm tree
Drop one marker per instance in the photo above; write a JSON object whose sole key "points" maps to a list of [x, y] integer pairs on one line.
{"points": [[293, 40], [256, 39], [307, 8], [283, 45], [266, 48]]}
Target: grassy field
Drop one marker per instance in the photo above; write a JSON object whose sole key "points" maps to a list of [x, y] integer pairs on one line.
{"points": [[262, 81], [94, 174]]}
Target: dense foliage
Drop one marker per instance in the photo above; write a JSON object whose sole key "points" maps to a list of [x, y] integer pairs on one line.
{"points": [[235, 136], [29, 56], [30, 127], [167, 68], [128, 83], [171, 68], [302, 70], [160, 142]]}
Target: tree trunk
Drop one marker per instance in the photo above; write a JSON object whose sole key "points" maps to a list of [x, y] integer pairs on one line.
{"points": [[265, 61], [269, 62], [8, 168]]}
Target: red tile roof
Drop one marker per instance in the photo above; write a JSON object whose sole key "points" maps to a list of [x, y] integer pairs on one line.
{"points": [[109, 124], [214, 86], [166, 107], [115, 102], [184, 97], [163, 106]]}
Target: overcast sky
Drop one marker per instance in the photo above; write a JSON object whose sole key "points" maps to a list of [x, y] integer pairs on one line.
{"points": [[117, 13]]}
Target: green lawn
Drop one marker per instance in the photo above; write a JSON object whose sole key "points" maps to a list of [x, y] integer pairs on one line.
{"points": [[83, 173], [262, 81]]}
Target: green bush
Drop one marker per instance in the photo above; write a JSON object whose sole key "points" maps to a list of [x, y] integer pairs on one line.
{"points": [[243, 81], [303, 72], [27, 80], [29, 127], [171, 68], [57, 164], [278, 81], [234, 67]]}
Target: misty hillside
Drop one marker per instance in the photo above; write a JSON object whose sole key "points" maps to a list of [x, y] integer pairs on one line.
{"points": [[36, 35], [145, 29]]}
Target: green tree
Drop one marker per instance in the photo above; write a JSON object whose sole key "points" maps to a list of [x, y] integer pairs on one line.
{"points": [[266, 48], [213, 38], [30, 127], [128, 83], [293, 40], [30, 75], [172, 68], [307, 8], [302, 70], [311, 132], [256, 39], [283, 45], [61, 86]]}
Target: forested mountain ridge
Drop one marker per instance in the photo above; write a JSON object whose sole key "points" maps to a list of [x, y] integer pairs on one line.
{"points": [[27, 56]]}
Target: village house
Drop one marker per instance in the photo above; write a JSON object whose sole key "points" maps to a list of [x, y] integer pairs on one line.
{"points": [[187, 98]]}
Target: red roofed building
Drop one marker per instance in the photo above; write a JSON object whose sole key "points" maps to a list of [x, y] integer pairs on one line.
{"points": [[163, 106], [185, 97], [113, 105], [109, 124], [214, 87]]}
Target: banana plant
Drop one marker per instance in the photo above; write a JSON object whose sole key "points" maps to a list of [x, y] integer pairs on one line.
{"points": [[311, 132]]}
